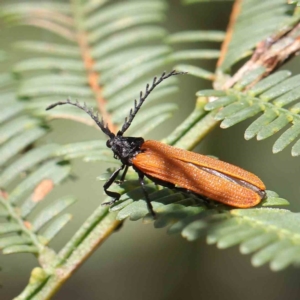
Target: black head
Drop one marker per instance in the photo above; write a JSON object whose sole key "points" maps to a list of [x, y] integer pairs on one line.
{"points": [[124, 148]]}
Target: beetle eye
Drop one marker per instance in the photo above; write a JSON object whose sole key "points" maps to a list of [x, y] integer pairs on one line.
{"points": [[108, 144]]}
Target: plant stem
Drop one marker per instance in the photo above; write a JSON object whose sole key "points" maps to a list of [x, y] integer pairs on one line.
{"points": [[19, 221], [189, 123], [88, 60], [198, 132], [96, 236], [197, 125], [100, 225]]}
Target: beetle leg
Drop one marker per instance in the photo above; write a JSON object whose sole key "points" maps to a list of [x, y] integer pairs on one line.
{"points": [[149, 205], [123, 176], [108, 183]]}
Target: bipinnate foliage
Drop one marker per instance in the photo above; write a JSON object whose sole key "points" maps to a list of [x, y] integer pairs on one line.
{"points": [[105, 54], [276, 96]]}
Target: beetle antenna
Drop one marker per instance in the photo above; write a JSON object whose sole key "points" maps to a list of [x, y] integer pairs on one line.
{"points": [[148, 90], [90, 112]]}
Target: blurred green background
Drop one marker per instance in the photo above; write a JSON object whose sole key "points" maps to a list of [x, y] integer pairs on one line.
{"points": [[140, 262]]}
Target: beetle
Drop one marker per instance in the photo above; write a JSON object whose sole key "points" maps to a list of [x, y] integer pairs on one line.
{"points": [[173, 167]]}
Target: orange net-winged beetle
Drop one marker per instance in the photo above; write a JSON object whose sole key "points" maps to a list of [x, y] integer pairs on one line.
{"points": [[173, 167]]}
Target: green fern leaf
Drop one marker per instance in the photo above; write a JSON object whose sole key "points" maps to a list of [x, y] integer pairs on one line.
{"points": [[51, 171], [91, 6], [16, 126], [195, 71], [125, 22], [18, 209], [50, 212], [13, 240], [44, 63], [195, 54], [25, 163], [110, 37], [113, 12], [55, 227], [274, 97], [20, 249], [257, 230], [48, 48], [129, 93], [21, 141], [195, 36]]}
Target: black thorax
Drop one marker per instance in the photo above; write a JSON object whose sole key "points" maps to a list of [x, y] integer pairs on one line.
{"points": [[125, 148]]}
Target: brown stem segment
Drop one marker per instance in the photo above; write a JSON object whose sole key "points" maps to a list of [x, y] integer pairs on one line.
{"points": [[270, 54], [233, 17], [93, 78], [89, 63]]}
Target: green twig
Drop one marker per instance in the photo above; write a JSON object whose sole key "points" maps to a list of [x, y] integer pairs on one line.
{"points": [[14, 215], [97, 235], [100, 225], [189, 123], [192, 138]]}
